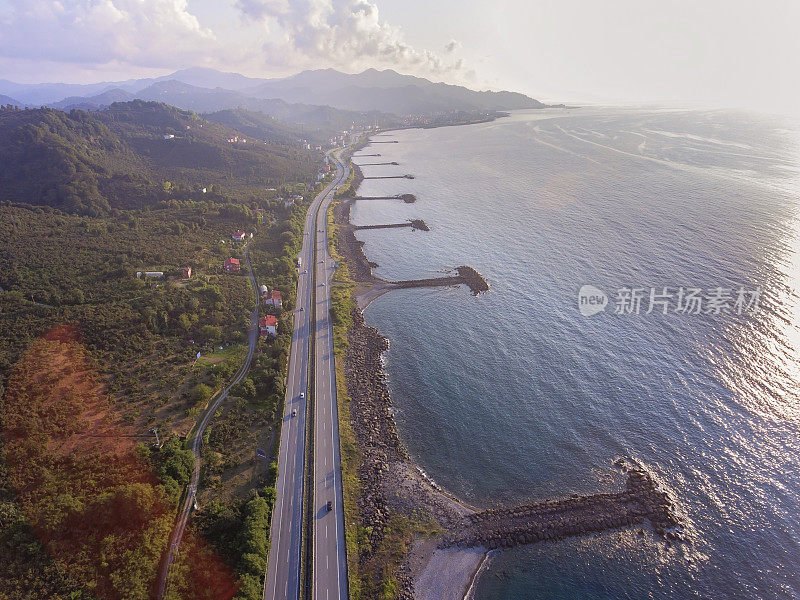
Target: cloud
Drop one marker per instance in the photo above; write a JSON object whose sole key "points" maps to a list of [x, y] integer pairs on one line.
{"points": [[255, 36], [344, 33], [151, 33], [262, 10], [452, 46]]}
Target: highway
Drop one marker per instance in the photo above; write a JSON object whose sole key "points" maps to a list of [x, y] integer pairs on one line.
{"points": [[282, 581], [197, 440], [329, 575]]}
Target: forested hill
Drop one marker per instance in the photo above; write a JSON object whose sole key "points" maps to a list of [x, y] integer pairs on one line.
{"points": [[255, 124], [135, 154]]}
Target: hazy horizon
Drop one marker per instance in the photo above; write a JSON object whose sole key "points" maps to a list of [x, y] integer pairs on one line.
{"points": [[715, 54]]}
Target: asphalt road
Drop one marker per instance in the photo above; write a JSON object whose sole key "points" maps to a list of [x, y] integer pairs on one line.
{"points": [[329, 575], [197, 440], [282, 580]]}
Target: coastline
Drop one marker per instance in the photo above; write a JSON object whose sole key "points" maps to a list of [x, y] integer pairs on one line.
{"points": [[388, 480], [440, 543]]}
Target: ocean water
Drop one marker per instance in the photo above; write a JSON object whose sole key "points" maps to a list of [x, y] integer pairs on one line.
{"points": [[515, 396]]}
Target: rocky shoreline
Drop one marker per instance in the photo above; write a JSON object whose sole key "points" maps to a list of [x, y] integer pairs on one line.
{"points": [[443, 567], [392, 484]]}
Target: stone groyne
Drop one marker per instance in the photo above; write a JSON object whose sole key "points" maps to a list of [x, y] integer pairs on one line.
{"points": [[406, 176], [466, 275], [579, 515], [380, 164], [414, 224], [361, 268], [407, 198]]}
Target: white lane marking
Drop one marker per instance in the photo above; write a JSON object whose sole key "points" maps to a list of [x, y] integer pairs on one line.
{"points": [[285, 477]]}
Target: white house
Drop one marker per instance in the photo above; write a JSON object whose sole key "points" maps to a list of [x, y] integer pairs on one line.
{"points": [[272, 298], [268, 325]]}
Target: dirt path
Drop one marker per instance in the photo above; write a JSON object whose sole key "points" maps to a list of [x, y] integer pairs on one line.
{"points": [[197, 440]]}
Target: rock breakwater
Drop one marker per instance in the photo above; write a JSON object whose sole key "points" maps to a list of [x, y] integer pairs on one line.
{"points": [[579, 515]]}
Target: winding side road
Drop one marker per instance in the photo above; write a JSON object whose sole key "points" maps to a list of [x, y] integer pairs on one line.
{"points": [[197, 440]]}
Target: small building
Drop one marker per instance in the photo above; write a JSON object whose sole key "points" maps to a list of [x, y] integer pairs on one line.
{"points": [[169, 136], [151, 274], [288, 202], [272, 298], [239, 236], [186, 272], [231, 265], [263, 290], [268, 325]]}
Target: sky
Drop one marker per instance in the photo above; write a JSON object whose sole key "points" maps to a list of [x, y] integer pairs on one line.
{"points": [[713, 53]]}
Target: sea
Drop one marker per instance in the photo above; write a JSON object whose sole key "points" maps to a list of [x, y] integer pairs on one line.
{"points": [[686, 225]]}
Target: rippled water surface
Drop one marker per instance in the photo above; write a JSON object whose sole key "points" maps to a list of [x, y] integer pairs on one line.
{"points": [[513, 395]]}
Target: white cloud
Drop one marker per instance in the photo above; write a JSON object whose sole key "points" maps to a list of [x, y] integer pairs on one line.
{"points": [[149, 33], [346, 33], [253, 36]]}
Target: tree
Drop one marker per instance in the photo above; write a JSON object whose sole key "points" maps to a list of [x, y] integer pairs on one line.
{"points": [[246, 389], [211, 333], [184, 322], [202, 393]]}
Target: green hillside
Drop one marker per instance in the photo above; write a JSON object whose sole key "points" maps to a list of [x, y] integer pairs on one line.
{"points": [[94, 356], [89, 163]]}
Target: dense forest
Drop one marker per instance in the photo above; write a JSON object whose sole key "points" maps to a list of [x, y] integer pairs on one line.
{"points": [[94, 358], [135, 154], [266, 127]]}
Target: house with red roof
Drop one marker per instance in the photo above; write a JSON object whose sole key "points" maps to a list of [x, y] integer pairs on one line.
{"points": [[240, 236], [231, 265], [272, 298], [268, 325]]}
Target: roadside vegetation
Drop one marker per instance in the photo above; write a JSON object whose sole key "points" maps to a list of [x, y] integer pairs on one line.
{"points": [[373, 569], [342, 304]]}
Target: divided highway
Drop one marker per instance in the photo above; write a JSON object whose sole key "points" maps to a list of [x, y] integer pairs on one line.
{"points": [[329, 574], [282, 580]]}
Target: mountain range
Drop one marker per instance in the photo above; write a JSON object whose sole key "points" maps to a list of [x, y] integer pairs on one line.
{"points": [[4, 100], [208, 90]]}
